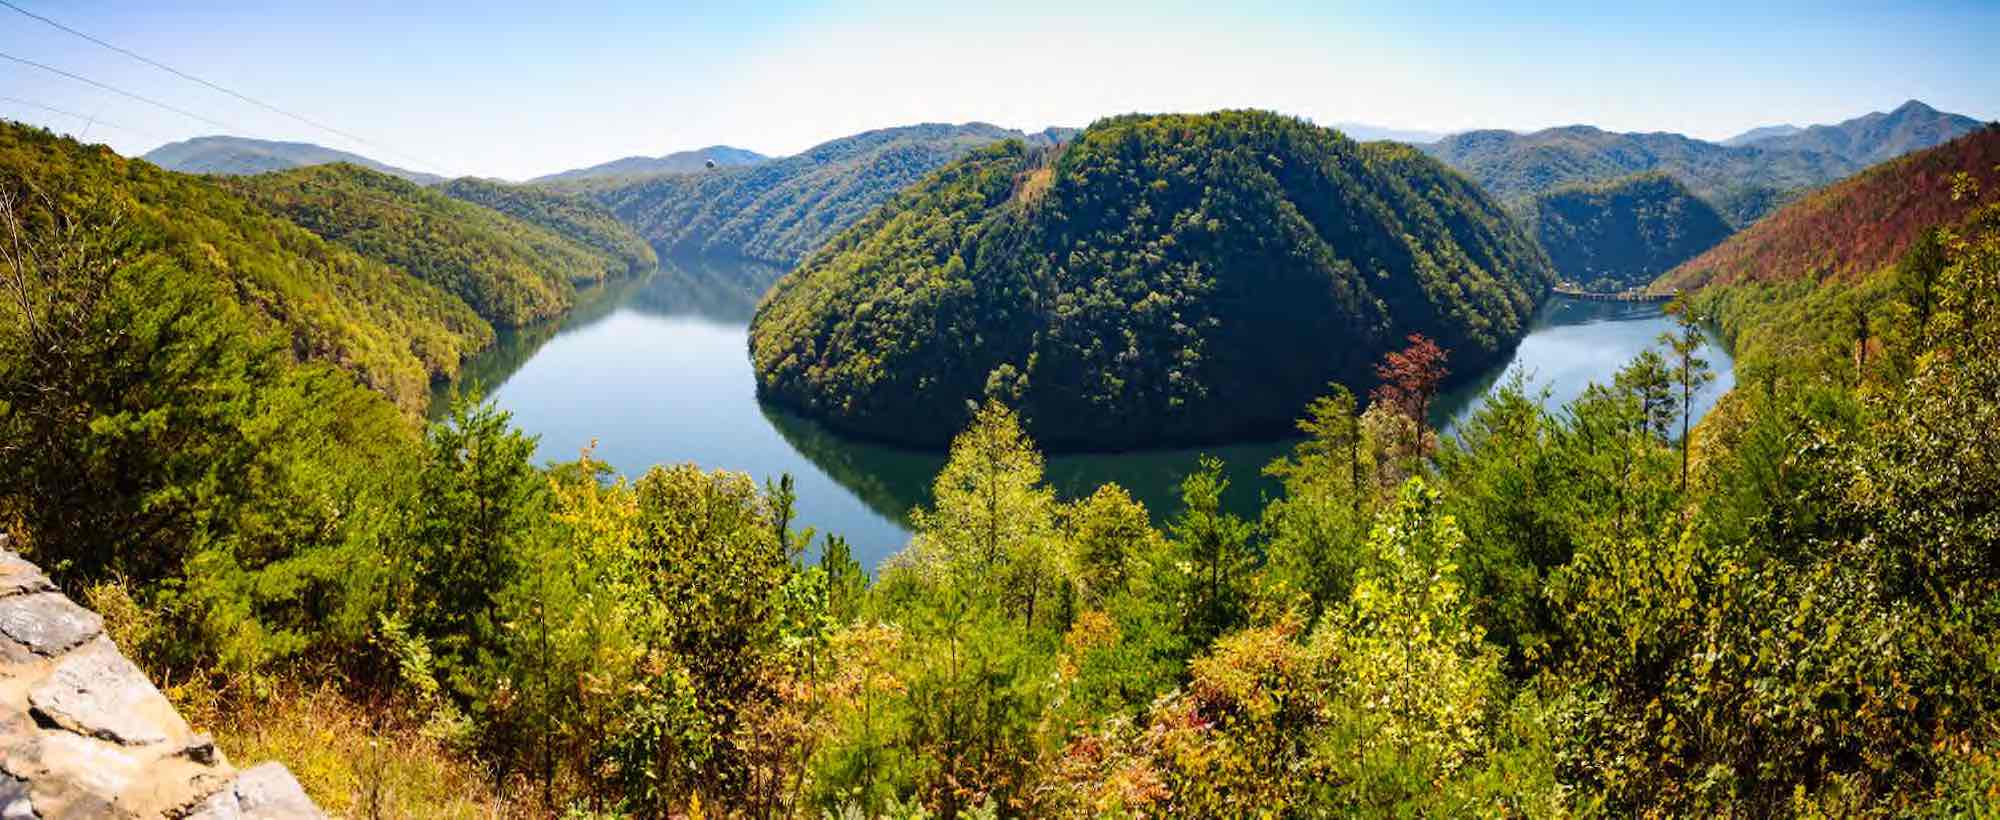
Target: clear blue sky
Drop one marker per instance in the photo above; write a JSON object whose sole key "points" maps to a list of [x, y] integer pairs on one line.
{"points": [[515, 89]]}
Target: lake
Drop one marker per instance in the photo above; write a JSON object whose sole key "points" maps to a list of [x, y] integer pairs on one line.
{"points": [[656, 370]]}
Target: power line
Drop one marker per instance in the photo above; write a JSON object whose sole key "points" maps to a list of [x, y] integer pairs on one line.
{"points": [[85, 117], [238, 95], [122, 92]]}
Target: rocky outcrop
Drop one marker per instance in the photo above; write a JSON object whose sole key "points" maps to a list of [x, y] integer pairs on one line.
{"points": [[83, 733]]}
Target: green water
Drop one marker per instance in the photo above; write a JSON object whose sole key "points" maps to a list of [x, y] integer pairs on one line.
{"points": [[656, 370]]}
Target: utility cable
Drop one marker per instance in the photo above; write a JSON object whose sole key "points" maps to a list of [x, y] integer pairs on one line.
{"points": [[216, 87]]}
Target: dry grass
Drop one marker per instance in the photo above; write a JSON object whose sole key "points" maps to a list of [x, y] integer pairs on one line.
{"points": [[359, 761]]}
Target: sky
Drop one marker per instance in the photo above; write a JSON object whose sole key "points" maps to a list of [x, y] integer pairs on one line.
{"points": [[515, 89]]}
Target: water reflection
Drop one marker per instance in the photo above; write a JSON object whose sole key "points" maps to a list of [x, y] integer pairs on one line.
{"points": [[656, 370], [718, 290]]}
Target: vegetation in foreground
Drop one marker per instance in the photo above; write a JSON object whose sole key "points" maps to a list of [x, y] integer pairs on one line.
{"points": [[1160, 279], [1793, 610]]}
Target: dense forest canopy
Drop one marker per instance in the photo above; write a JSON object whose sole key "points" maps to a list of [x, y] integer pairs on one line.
{"points": [[574, 218], [1624, 233], [394, 332], [1161, 278], [783, 209], [509, 270]]}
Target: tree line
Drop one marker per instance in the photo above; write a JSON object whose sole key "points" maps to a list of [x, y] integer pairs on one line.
{"points": [[1601, 608]]}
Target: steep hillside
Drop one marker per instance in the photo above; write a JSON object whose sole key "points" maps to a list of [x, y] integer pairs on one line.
{"points": [[573, 218], [1623, 233], [237, 156], [394, 332], [508, 270], [783, 209], [679, 162], [1744, 182], [1852, 227], [1162, 278]]}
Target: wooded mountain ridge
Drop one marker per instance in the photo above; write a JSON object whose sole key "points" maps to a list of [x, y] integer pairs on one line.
{"points": [[1744, 182], [1168, 278], [781, 210]]}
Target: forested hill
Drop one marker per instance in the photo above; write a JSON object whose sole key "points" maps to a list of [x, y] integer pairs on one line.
{"points": [[1855, 226], [235, 156], [1624, 233], [574, 218], [678, 162], [783, 209], [1744, 182], [1161, 278], [508, 270], [394, 332]]}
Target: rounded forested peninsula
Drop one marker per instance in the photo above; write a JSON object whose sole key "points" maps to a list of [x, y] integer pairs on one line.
{"points": [[1160, 279]]}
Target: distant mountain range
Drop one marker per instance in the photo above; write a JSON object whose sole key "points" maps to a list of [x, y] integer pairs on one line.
{"points": [[679, 162], [731, 201], [1743, 181], [1365, 132], [1764, 133], [1872, 138], [781, 210], [238, 156]]}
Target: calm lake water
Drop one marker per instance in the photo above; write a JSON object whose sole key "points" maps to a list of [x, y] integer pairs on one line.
{"points": [[656, 370]]}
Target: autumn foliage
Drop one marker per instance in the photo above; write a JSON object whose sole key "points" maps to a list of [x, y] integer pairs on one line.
{"points": [[1852, 227]]}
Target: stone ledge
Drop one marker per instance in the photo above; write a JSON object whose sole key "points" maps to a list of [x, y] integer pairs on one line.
{"points": [[83, 733]]}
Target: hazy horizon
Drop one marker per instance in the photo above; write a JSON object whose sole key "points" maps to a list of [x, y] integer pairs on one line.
{"points": [[515, 91]]}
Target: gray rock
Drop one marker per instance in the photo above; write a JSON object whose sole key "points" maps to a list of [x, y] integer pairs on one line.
{"points": [[266, 791], [81, 777], [18, 577], [14, 801], [201, 749], [47, 622], [221, 805], [95, 691], [16, 659]]}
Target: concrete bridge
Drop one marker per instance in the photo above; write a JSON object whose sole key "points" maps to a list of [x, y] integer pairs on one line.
{"points": [[1570, 291]]}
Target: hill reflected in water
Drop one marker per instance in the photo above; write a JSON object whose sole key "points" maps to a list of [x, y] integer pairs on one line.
{"points": [[656, 370]]}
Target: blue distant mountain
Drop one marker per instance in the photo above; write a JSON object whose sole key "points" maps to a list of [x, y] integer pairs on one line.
{"points": [[241, 156]]}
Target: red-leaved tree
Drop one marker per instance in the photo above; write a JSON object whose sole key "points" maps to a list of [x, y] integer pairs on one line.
{"points": [[1410, 380]]}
